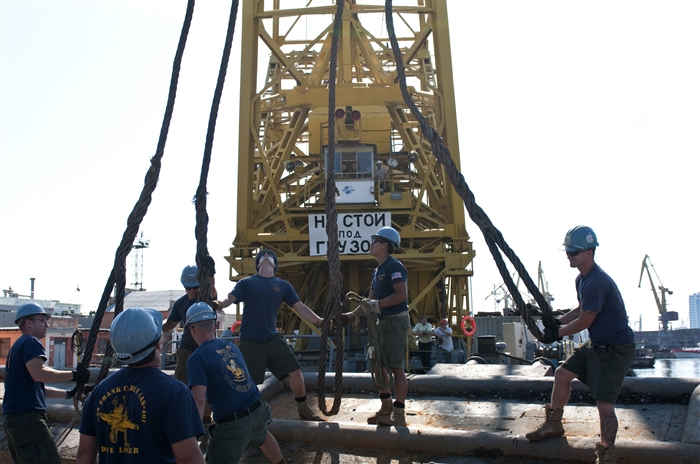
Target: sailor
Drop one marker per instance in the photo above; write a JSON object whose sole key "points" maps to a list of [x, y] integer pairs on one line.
{"points": [[218, 373], [189, 280], [24, 406], [602, 362], [139, 414], [389, 292], [262, 346]]}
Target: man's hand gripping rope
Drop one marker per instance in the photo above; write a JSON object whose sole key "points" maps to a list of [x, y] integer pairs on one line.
{"points": [[375, 351]]}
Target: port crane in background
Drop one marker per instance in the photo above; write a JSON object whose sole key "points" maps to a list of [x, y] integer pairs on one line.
{"points": [[283, 152], [665, 316], [543, 285], [510, 306]]}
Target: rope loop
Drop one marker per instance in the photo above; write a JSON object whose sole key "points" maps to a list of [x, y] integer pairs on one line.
{"points": [[382, 375]]}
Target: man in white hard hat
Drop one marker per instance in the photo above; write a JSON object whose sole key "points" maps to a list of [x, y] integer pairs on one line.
{"points": [[218, 375], [389, 293], [24, 405], [139, 414]]}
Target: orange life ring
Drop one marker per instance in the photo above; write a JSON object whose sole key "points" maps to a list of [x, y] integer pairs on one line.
{"points": [[236, 325], [472, 331]]}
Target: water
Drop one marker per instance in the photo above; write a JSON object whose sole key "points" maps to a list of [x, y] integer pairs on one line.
{"points": [[672, 368]]}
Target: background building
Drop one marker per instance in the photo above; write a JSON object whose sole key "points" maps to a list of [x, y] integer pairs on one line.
{"points": [[694, 311]]}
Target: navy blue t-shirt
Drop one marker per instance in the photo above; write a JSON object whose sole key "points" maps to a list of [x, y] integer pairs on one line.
{"points": [[179, 314], [384, 277], [22, 393], [137, 414], [597, 292], [218, 365], [262, 297]]}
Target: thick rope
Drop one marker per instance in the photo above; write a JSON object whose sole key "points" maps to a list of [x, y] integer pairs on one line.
{"points": [[332, 310], [494, 238], [375, 352], [201, 196], [118, 273]]}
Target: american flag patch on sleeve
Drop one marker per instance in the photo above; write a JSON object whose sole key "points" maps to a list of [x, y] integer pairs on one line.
{"points": [[396, 275]]}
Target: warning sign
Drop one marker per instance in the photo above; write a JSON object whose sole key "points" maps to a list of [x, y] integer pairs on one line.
{"points": [[354, 232]]}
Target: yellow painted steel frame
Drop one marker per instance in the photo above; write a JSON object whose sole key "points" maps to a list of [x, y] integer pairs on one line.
{"points": [[283, 118]]}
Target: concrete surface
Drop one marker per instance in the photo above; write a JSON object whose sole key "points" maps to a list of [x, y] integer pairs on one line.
{"points": [[468, 414]]}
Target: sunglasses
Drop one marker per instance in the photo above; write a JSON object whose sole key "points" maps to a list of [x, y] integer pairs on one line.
{"points": [[192, 288], [574, 253], [377, 240]]}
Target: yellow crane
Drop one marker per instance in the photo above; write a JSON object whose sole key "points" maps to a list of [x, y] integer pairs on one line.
{"points": [[665, 316], [283, 150]]}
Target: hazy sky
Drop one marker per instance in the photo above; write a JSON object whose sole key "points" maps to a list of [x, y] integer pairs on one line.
{"points": [[569, 113]]}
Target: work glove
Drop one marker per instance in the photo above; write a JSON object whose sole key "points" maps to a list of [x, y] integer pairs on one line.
{"points": [[347, 318], [209, 264], [86, 391], [551, 335], [216, 305], [81, 375], [373, 305], [319, 324]]}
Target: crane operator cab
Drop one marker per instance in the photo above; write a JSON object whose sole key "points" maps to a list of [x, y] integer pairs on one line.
{"points": [[354, 172]]}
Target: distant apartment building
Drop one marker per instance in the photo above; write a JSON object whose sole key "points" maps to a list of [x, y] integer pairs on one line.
{"points": [[694, 310]]}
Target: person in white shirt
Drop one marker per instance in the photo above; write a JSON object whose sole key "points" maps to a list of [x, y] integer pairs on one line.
{"points": [[443, 342], [425, 341]]}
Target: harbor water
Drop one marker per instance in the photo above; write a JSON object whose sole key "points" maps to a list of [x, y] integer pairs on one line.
{"points": [[672, 368]]}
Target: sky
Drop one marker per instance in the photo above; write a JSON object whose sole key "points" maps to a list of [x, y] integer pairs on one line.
{"points": [[568, 113]]}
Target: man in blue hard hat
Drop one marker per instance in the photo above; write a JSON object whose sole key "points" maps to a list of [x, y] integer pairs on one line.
{"points": [[178, 315], [262, 346], [602, 362], [218, 375], [389, 293], [139, 414], [24, 405]]}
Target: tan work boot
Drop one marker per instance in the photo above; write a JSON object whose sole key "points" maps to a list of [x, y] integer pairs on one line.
{"points": [[604, 455], [385, 410], [551, 427], [397, 418], [306, 413]]}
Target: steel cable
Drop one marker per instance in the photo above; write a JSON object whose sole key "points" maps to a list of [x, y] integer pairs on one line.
{"points": [[493, 237], [202, 224], [332, 310], [377, 359], [117, 277]]}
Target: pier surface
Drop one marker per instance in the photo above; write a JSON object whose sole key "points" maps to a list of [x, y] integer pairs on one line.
{"points": [[469, 414]]}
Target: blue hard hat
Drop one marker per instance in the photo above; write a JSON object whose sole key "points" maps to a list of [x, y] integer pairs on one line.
{"points": [[390, 234], [580, 238], [189, 277], [262, 253], [134, 334], [199, 312], [29, 309]]}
